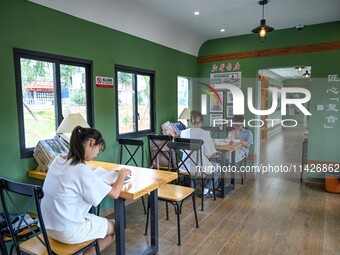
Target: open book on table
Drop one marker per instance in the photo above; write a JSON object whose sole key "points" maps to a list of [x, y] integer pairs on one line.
{"points": [[109, 177]]}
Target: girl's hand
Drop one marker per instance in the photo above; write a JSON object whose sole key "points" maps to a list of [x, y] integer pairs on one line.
{"points": [[244, 143], [125, 171]]}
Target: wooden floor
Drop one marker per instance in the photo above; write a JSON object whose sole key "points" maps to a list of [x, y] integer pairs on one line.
{"points": [[266, 215]]}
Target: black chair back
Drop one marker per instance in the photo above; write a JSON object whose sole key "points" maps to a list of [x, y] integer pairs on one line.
{"points": [[195, 147], [159, 151], [22, 198], [30, 196], [131, 146], [185, 152]]}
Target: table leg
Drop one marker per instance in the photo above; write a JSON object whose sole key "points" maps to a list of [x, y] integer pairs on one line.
{"points": [[226, 189], [119, 226], [232, 179], [154, 221]]}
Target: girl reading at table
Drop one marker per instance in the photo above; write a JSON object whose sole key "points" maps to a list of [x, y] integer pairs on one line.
{"points": [[71, 188], [241, 135]]}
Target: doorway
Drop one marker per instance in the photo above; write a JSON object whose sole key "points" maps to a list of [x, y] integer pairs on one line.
{"points": [[275, 79]]}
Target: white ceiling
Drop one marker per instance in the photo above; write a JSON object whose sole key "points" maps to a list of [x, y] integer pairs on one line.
{"points": [[286, 73], [172, 23]]}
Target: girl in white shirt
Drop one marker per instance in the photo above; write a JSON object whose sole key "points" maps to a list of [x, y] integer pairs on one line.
{"points": [[71, 188], [208, 151]]}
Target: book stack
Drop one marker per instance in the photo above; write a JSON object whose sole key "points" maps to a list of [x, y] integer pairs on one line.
{"points": [[46, 151]]}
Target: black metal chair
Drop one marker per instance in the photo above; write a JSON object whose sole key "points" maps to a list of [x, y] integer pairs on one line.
{"points": [[134, 148], [17, 195], [5, 236], [188, 156], [176, 194], [159, 151]]}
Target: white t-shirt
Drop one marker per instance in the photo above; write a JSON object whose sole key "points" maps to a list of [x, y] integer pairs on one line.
{"points": [[208, 148], [69, 193]]}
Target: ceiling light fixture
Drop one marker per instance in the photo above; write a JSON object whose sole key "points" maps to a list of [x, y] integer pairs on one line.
{"points": [[307, 74], [262, 29], [196, 13], [222, 30], [299, 68]]}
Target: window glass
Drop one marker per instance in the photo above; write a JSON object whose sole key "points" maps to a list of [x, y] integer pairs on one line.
{"points": [[37, 100], [125, 103], [73, 93], [143, 99], [183, 94]]}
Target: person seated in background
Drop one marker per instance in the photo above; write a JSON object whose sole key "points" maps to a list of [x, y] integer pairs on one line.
{"points": [[208, 149], [245, 136]]}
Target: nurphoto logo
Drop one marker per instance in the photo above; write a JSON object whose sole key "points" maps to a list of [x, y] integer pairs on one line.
{"points": [[238, 105]]}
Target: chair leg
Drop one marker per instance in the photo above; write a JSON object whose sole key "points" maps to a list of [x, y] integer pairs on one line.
{"points": [[243, 174], [96, 246], [214, 188], [167, 210], [144, 208], [194, 205], [202, 206], [147, 218], [178, 212]]}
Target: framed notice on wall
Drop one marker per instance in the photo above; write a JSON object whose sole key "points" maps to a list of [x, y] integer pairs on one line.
{"points": [[218, 80], [216, 120]]}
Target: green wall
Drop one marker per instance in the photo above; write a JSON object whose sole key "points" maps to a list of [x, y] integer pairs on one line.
{"points": [[30, 26], [323, 143]]}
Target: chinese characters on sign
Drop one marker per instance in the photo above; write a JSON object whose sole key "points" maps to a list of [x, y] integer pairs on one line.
{"points": [[332, 107], [225, 67], [104, 82]]}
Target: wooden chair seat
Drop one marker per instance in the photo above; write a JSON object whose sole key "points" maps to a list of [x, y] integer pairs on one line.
{"points": [[160, 167], [35, 247], [174, 193]]}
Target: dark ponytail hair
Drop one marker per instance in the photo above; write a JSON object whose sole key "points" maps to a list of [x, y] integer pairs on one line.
{"points": [[79, 136]]}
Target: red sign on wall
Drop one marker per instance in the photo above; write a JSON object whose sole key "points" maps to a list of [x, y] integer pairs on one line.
{"points": [[104, 82]]}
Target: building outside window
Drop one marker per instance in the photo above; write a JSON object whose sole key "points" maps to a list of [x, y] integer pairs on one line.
{"points": [[48, 88]]}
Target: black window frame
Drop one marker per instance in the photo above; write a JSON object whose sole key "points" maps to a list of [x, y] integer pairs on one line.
{"points": [[137, 71], [57, 60]]}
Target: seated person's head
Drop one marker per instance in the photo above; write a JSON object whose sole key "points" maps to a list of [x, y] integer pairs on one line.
{"points": [[238, 121], [196, 119]]}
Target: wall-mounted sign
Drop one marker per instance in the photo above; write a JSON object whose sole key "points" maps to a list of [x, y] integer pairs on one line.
{"points": [[104, 82]]}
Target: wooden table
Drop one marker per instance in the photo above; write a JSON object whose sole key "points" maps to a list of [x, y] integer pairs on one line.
{"points": [[143, 181], [230, 148]]}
